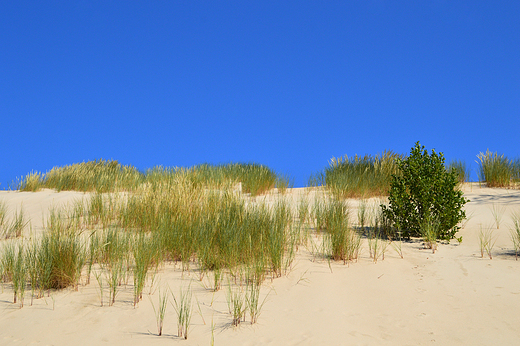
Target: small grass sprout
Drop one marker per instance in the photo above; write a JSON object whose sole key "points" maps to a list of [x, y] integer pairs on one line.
{"points": [[160, 311], [515, 233], [430, 230], [397, 245], [498, 213], [487, 241]]}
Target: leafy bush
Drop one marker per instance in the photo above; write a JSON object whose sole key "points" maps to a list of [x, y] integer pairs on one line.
{"points": [[424, 189]]}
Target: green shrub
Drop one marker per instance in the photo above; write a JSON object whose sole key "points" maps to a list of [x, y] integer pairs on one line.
{"points": [[424, 189]]}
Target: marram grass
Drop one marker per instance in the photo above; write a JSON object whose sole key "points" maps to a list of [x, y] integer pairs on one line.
{"points": [[111, 176], [497, 170], [358, 176], [98, 175]]}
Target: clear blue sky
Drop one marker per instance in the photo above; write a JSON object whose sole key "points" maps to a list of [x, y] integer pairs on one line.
{"points": [[288, 84]]}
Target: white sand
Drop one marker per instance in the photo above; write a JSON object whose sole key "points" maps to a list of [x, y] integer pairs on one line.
{"points": [[451, 297]]}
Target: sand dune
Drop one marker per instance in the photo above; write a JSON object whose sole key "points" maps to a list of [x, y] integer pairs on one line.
{"points": [[451, 297]]}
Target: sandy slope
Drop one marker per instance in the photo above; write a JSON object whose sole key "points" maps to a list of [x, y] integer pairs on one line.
{"points": [[447, 298]]}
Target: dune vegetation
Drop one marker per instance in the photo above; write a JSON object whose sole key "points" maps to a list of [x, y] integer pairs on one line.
{"points": [[209, 219], [498, 170]]}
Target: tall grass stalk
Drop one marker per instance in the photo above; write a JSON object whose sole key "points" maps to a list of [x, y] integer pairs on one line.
{"points": [[114, 274], [362, 213], [160, 311], [19, 273], [99, 278], [429, 230], [3, 217], [515, 233], [236, 304], [17, 225], [253, 304], [142, 255], [344, 241], [487, 241], [93, 251], [498, 213], [377, 246], [183, 308], [397, 245]]}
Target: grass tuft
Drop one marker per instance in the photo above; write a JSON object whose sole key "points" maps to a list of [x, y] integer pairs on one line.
{"points": [[497, 170], [366, 176]]}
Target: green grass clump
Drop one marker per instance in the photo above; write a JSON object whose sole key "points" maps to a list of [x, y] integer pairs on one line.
{"points": [[358, 176], [497, 170], [341, 241], [32, 182], [256, 179], [98, 175], [110, 176]]}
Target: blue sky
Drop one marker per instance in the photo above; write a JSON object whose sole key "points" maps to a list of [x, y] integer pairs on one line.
{"points": [[288, 84]]}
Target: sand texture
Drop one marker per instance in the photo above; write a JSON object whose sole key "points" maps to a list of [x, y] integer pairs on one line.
{"points": [[451, 297]]}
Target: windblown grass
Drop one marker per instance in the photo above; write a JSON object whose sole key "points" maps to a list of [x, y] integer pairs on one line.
{"points": [[358, 176]]}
